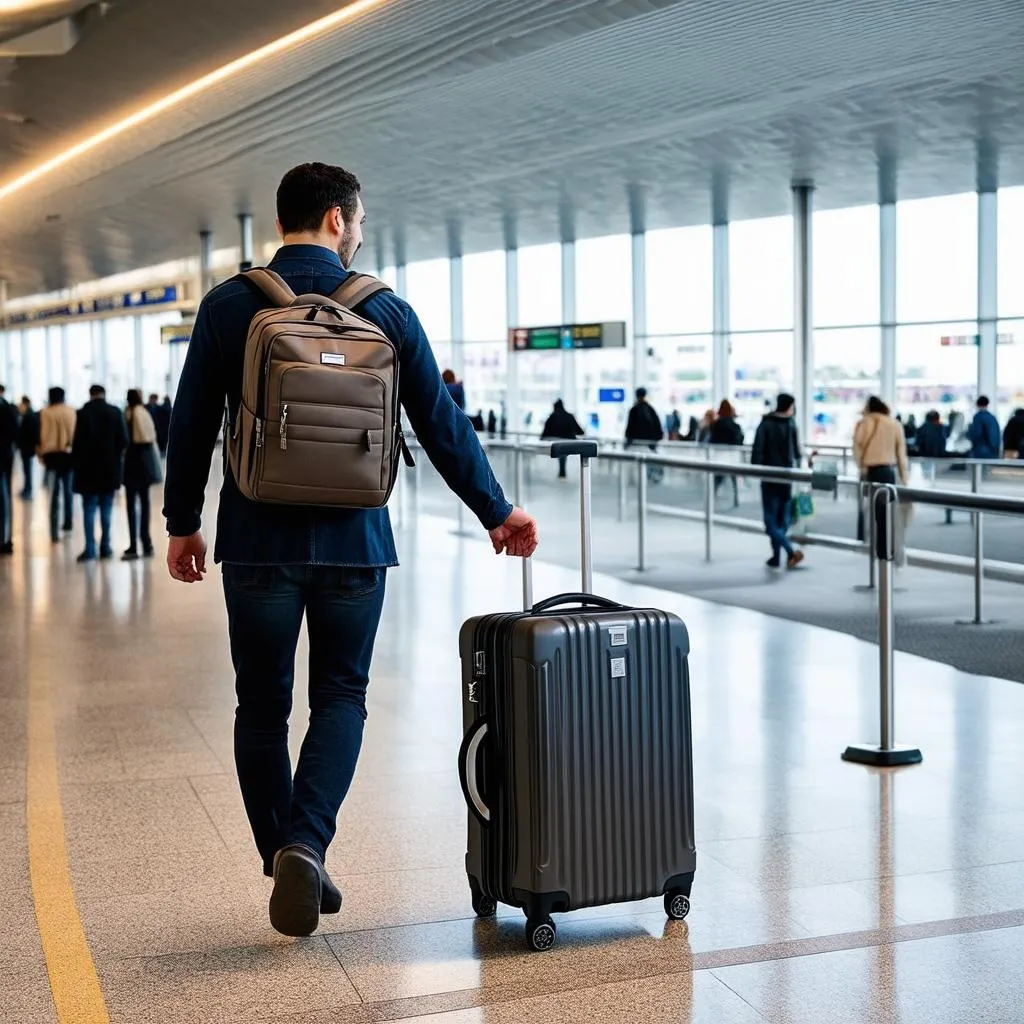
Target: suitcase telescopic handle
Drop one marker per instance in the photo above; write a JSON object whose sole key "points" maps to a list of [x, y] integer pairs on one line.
{"points": [[586, 450], [469, 760], [585, 599]]}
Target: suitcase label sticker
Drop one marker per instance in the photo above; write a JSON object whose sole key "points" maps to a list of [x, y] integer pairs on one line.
{"points": [[618, 668], [618, 635]]}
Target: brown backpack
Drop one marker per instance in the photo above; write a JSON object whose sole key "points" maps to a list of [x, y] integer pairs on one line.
{"points": [[319, 420]]}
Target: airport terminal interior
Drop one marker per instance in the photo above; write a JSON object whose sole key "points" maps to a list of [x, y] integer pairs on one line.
{"points": [[716, 202]]}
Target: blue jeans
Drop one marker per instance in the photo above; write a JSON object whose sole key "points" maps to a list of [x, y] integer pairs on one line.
{"points": [[266, 605], [91, 503], [6, 511], [60, 479], [776, 504]]}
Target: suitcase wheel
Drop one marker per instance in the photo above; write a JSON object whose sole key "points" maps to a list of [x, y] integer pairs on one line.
{"points": [[484, 906], [677, 905], [540, 934]]}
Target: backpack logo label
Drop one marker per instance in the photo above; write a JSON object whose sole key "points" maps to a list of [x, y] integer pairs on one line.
{"points": [[332, 358], [472, 694]]}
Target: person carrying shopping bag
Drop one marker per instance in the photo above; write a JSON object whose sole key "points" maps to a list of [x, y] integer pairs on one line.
{"points": [[880, 449]]}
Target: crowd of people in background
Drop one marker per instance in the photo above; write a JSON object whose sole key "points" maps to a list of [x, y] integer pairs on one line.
{"points": [[91, 452]]}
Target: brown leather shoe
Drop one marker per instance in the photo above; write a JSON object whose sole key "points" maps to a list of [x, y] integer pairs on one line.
{"points": [[794, 559]]}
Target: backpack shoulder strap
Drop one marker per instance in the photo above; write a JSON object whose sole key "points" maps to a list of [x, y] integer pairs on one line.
{"points": [[357, 288], [272, 284]]}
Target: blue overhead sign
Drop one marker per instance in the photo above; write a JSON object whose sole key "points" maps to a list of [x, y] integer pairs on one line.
{"points": [[103, 304], [611, 394]]}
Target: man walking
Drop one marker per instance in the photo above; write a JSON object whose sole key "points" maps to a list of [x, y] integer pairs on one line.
{"points": [[283, 563], [644, 427], [8, 440], [776, 444], [56, 433], [984, 433], [97, 457]]}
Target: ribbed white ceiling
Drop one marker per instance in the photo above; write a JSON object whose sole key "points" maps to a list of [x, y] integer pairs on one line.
{"points": [[484, 119]]}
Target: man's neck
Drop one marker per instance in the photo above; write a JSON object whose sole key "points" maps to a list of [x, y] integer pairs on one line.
{"points": [[309, 238]]}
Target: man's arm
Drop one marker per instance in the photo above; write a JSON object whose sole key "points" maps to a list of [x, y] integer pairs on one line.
{"points": [[446, 434], [195, 424]]}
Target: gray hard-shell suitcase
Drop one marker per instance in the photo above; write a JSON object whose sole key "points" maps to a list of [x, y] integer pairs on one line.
{"points": [[576, 763]]}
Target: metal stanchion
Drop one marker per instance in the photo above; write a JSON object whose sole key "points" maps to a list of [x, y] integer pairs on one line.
{"points": [[979, 556], [641, 514], [888, 754], [709, 514]]}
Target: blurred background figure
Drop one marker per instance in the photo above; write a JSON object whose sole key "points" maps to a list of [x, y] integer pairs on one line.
{"points": [[455, 389], [726, 431], [984, 433], [643, 426], [673, 425], [97, 457], [160, 414], [141, 471], [704, 430], [561, 425], [8, 443], [1013, 436], [56, 435], [880, 450], [28, 442]]}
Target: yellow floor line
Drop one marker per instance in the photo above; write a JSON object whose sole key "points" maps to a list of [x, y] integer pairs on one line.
{"points": [[73, 981]]}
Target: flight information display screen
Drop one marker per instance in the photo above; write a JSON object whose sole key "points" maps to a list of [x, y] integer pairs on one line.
{"points": [[567, 336]]}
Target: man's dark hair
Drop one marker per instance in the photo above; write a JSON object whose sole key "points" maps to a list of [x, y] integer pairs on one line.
{"points": [[3, 390], [641, 394], [56, 396], [309, 191], [97, 391], [983, 402], [154, 398], [933, 416], [784, 402]]}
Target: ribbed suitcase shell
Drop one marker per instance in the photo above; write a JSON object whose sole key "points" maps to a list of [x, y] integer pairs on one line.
{"points": [[587, 761]]}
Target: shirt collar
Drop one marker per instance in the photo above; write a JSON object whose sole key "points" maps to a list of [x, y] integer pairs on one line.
{"points": [[307, 252]]}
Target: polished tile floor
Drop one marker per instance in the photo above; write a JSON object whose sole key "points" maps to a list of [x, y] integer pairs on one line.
{"points": [[825, 891]]}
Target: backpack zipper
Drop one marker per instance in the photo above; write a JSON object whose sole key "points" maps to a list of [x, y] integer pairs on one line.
{"points": [[284, 427]]}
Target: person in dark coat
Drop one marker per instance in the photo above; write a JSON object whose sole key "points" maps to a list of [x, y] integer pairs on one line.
{"points": [[561, 425], [984, 433], [726, 431], [160, 413], [28, 441], [141, 471], [777, 444], [1013, 436], [455, 389], [643, 426], [97, 458], [8, 442]]}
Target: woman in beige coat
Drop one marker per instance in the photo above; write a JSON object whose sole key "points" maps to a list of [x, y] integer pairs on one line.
{"points": [[880, 449]]}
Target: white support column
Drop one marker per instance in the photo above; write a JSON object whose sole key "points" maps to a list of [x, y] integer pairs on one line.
{"points": [[7, 363], [988, 310], [721, 343], [47, 349], [887, 300], [458, 317], [205, 262], [569, 316], [512, 404], [803, 319], [65, 357], [103, 362], [400, 279], [27, 383], [639, 268], [245, 241]]}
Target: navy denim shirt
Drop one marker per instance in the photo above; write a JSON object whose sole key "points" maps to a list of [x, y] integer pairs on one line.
{"points": [[260, 534]]}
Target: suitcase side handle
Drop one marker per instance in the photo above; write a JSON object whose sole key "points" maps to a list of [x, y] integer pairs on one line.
{"points": [[585, 599], [469, 759]]}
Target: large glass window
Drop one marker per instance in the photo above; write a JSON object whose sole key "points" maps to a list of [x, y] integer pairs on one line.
{"points": [[679, 376], [485, 317], [761, 274], [540, 286], [35, 367], [762, 366], [1010, 368], [845, 275], [14, 368], [485, 369], [937, 258], [120, 370], [154, 375], [428, 287], [847, 370], [680, 288], [937, 368], [1011, 251], [389, 275], [81, 368]]}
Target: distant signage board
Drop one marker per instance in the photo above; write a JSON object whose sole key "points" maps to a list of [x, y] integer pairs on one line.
{"points": [[103, 304], [611, 394], [567, 337], [958, 340], [176, 334]]}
